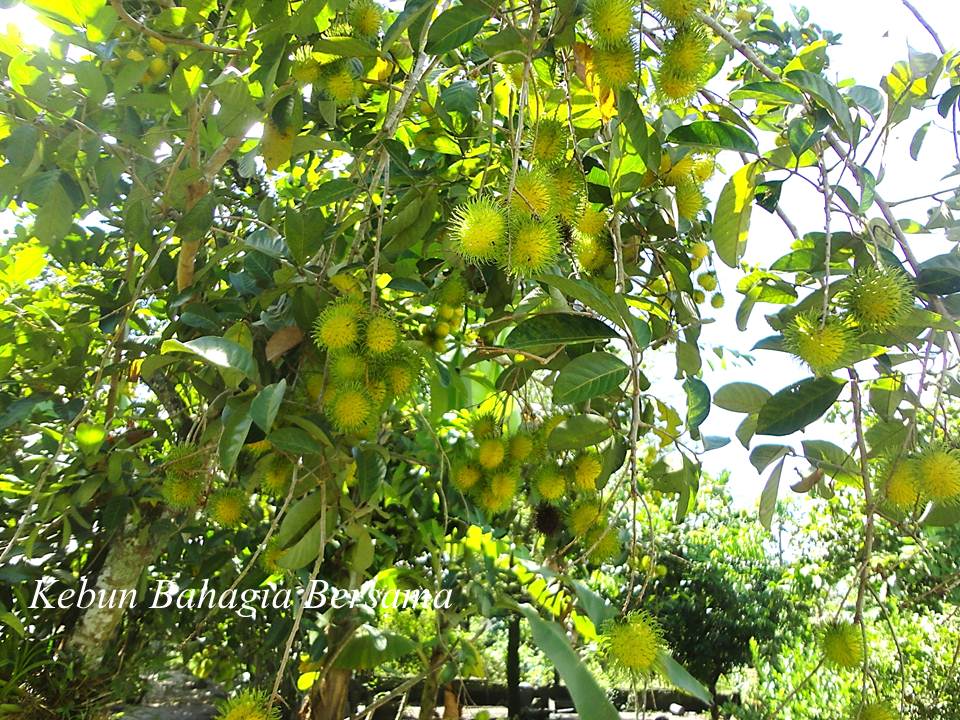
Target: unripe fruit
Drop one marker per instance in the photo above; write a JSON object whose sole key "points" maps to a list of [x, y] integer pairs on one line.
{"points": [[533, 247], [633, 645], [479, 227], [708, 281], [442, 329], [939, 472], [533, 193], [700, 250], [717, 301], [550, 483], [878, 297], [445, 312], [585, 471], [227, 507], [491, 453], [582, 517], [338, 327], [842, 644], [824, 347], [382, 335]]}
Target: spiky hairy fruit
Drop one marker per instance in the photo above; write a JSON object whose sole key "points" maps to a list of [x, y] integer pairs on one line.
{"points": [[533, 192], [591, 222], [533, 246], [491, 453], [687, 54], [382, 335], [547, 519], [454, 291], [182, 492], [585, 470], [708, 281], [592, 252], [704, 168], [550, 483], [402, 375], [632, 645], [465, 476], [938, 469], [365, 18], [680, 12], [610, 21], [675, 86], [485, 425], [878, 297], [616, 65], [227, 507], [583, 516], [700, 250], [842, 644], [273, 474], [678, 172], [377, 390], [568, 189], [548, 142], [823, 346], [350, 408], [248, 705], [185, 461], [521, 447], [876, 711], [479, 228], [347, 285], [499, 493], [270, 557], [337, 83], [338, 327], [603, 544], [900, 484], [347, 366], [690, 199]]}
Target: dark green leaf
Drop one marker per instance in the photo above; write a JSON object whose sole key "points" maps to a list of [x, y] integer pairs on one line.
{"points": [[698, 403], [217, 351], [588, 376], [550, 330], [741, 397], [265, 406], [714, 135], [455, 26], [940, 275], [798, 405]]}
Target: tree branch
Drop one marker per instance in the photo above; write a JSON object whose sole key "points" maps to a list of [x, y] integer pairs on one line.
{"points": [[117, 5]]}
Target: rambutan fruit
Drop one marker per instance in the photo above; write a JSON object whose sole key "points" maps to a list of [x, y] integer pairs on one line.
{"points": [[900, 484], [498, 495], [185, 461], [346, 285], [568, 189], [485, 425], [675, 86], [615, 65], [633, 645], [533, 193], [479, 228], [347, 366], [583, 516], [248, 705], [708, 281], [349, 408], [365, 18], [465, 475], [454, 291], [547, 519], [690, 199], [824, 347], [227, 507], [550, 483], [273, 474], [336, 81], [878, 297], [700, 250], [680, 12], [593, 252], [610, 21], [842, 644], [704, 168], [591, 222], [876, 711], [376, 389], [401, 374], [270, 557], [717, 301], [679, 172], [938, 469], [533, 246], [521, 447], [382, 335], [548, 142], [182, 492], [585, 470], [338, 326], [491, 453], [687, 54], [602, 544]]}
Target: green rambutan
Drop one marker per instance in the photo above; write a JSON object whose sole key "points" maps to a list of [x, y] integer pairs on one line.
{"points": [[938, 470], [823, 346], [491, 453], [533, 246], [878, 297], [248, 705], [550, 483], [479, 228], [687, 54], [593, 253], [585, 470], [632, 646], [365, 18], [498, 495], [591, 222], [674, 85], [602, 544], [227, 507], [842, 644], [337, 82], [273, 474], [465, 476], [182, 492], [680, 12], [382, 335], [583, 516], [876, 711], [338, 326], [548, 142], [610, 21], [533, 193], [347, 366], [690, 199], [615, 65], [485, 425], [900, 484], [568, 187], [350, 408]]}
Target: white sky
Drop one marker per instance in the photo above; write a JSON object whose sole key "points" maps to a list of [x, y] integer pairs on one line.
{"points": [[876, 34]]}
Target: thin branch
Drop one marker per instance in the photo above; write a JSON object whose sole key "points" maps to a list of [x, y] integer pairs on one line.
{"points": [[926, 26], [117, 5]]}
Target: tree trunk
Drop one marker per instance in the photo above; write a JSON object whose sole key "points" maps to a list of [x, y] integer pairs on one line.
{"points": [[513, 667], [451, 703], [431, 686], [714, 707], [127, 558], [328, 699]]}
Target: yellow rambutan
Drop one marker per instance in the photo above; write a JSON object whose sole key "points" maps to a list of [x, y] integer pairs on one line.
{"points": [[585, 470], [823, 346], [499, 493], [842, 644], [533, 192], [346, 284], [349, 408], [479, 227], [583, 516], [337, 83], [878, 297], [338, 326], [602, 544], [616, 65], [533, 246], [491, 453], [633, 645], [227, 507], [591, 222], [550, 483], [248, 705], [521, 447], [365, 18], [270, 557], [454, 291], [382, 335], [610, 21], [700, 250], [485, 425], [548, 142], [687, 53], [568, 189], [465, 476], [347, 366], [900, 485], [704, 168], [593, 252], [679, 171], [690, 199], [680, 12], [675, 86], [182, 492], [401, 374], [938, 469], [876, 711], [273, 474]]}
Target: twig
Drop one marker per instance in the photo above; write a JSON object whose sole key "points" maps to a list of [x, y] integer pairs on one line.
{"points": [[926, 26], [117, 5]]}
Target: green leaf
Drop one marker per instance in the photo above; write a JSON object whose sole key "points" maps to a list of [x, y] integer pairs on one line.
{"points": [[611, 307], [714, 135], [236, 424], [542, 333], [304, 551], [768, 498], [828, 96], [217, 351], [763, 455], [579, 431], [345, 47], [89, 437], [197, 220], [588, 697], [371, 647], [698, 402], [798, 405], [264, 407], [770, 92], [741, 397], [294, 441], [940, 275], [455, 26], [588, 376], [301, 516], [678, 676], [731, 225]]}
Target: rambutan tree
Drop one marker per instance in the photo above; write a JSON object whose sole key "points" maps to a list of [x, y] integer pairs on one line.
{"points": [[411, 297]]}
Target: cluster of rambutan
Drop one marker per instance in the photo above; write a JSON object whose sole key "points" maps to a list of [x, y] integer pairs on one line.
{"points": [[611, 24], [873, 300], [685, 57], [522, 232], [450, 297], [685, 176], [933, 475], [187, 476], [248, 705], [368, 364]]}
